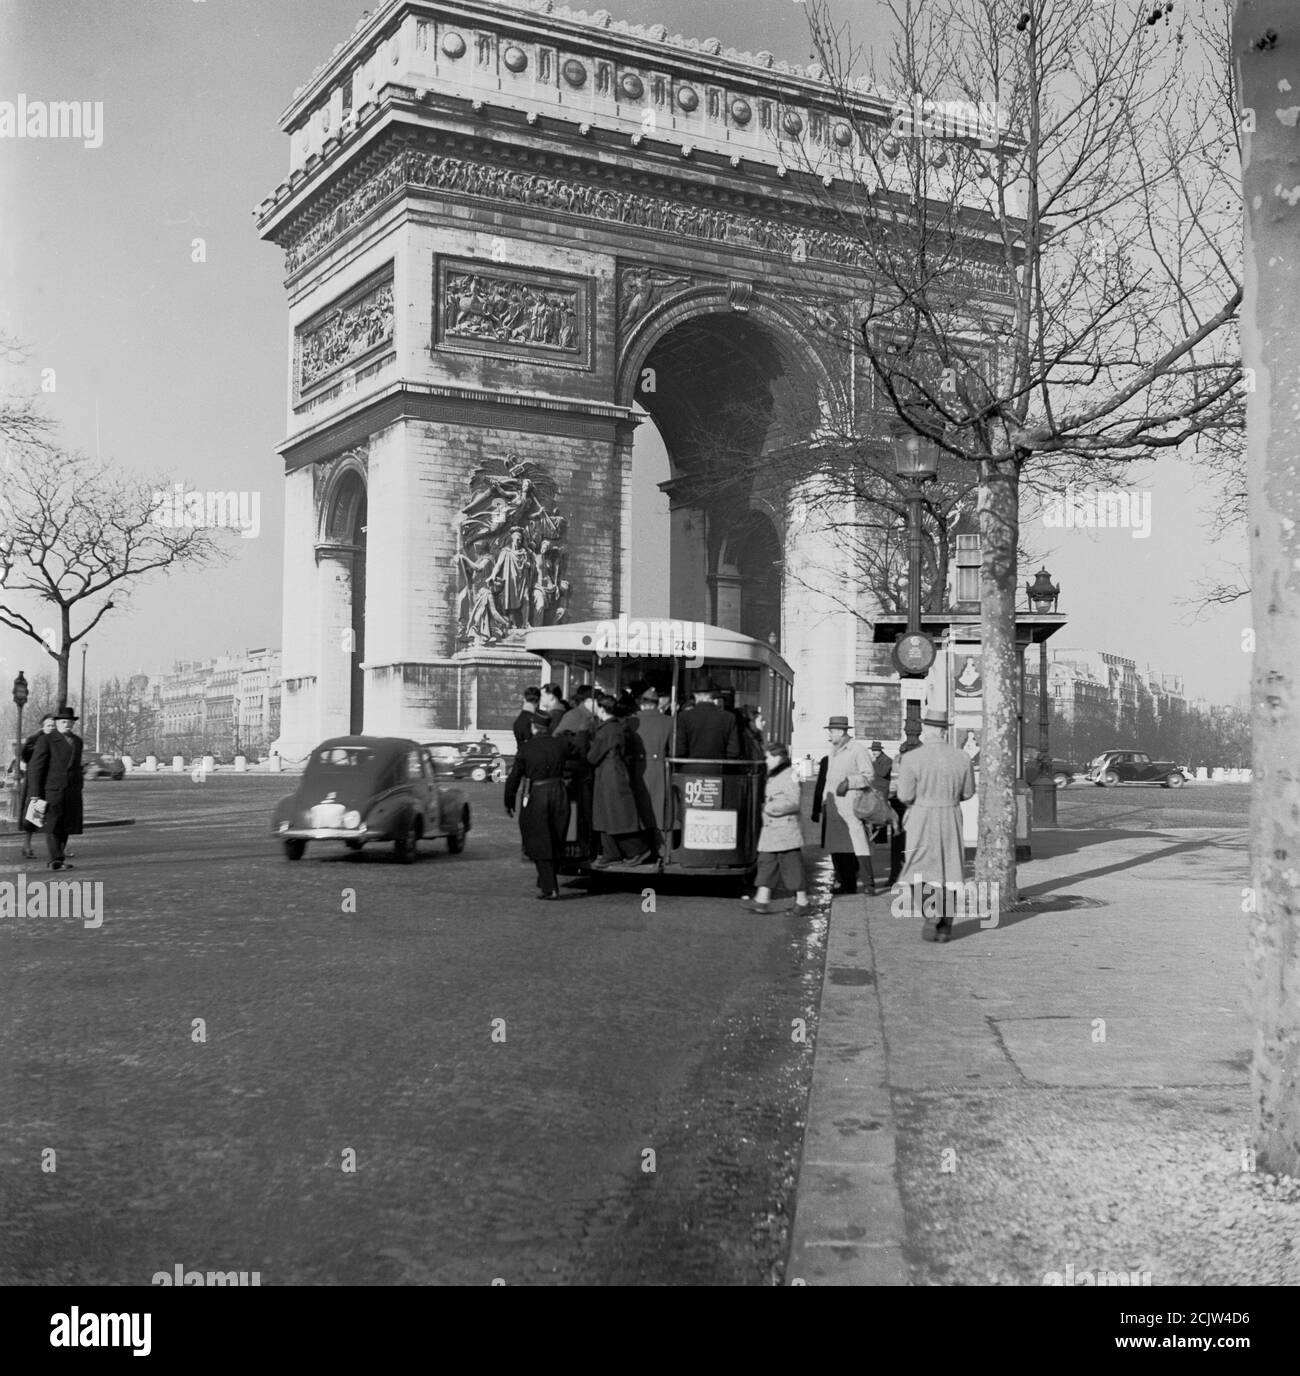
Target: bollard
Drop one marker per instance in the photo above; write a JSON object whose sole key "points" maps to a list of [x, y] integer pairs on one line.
{"points": [[178, 764], [241, 764]]}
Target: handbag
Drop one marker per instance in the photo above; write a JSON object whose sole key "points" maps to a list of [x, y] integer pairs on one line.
{"points": [[870, 807]]}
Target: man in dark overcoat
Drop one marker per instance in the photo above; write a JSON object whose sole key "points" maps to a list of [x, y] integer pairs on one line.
{"points": [[655, 732], [544, 808], [55, 777], [24, 785], [706, 731]]}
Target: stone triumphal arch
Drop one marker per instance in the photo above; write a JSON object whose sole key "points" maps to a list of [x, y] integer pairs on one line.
{"points": [[511, 233]]}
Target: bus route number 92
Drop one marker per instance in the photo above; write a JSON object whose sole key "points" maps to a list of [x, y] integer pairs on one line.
{"points": [[702, 792]]}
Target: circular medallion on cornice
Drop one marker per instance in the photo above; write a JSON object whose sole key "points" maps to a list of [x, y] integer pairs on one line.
{"points": [[843, 135], [891, 148], [453, 45], [631, 86], [515, 59], [687, 98], [574, 72], [740, 111], [792, 123]]}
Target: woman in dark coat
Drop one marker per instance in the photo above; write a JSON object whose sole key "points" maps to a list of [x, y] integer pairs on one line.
{"points": [[55, 776], [614, 806], [544, 810], [24, 793]]}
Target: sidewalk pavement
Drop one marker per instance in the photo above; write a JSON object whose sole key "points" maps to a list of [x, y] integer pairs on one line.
{"points": [[1065, 1089]]}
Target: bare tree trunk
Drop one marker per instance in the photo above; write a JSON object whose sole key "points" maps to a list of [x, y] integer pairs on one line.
{"points": [[1272, 284], [999, 522]]}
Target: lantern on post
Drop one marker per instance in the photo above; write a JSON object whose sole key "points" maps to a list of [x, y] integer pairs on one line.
{"points": [[917, 461]]}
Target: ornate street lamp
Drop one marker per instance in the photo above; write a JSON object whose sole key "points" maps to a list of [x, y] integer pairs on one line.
{"points": [[1043, 594], [917, 461]]}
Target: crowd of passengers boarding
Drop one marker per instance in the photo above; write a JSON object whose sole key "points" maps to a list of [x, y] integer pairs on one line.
{"points": [[611, 750]]}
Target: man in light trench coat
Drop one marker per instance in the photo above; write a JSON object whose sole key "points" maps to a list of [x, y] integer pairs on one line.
{"points": [[932, 782], [846, 772]]}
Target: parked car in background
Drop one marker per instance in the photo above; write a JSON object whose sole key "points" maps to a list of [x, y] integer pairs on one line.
{"points": [[94, 766], [449, 759], [1114, 767], [1063, 773], [366, 789], [484, 761]]}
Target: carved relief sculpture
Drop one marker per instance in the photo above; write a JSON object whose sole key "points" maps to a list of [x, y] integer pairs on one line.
{"points": [[641, 288], [511, 551], [479, 306], [346, 332], [521, 313]]}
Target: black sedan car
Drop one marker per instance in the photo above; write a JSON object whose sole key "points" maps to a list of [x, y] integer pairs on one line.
{"points": [[1114, 767], [366, 789]]}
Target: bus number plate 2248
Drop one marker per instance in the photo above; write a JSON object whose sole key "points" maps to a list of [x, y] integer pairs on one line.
{"points": [[709, 830]]}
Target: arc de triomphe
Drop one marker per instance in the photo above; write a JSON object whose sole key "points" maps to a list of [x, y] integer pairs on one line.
{"points": [[511, 231]]}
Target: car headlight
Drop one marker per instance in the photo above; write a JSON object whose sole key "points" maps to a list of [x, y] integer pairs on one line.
{"points": [[284, 826], [351, 820]]}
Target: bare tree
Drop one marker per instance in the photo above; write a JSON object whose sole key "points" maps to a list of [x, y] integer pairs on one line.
{"points": [[1049, 288], [74, 534], [1267, 66]]}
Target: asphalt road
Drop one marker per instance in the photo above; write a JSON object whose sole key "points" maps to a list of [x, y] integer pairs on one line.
{"points": [[583, 1092], [1148, 807]]}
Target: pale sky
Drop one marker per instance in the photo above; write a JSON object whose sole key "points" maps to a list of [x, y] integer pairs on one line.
{"points": [[162, 363]]}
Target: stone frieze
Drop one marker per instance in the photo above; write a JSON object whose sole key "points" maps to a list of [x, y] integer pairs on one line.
{"points": [[359, 324]]}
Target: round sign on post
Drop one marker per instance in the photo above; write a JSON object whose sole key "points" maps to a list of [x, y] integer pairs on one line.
{"points": [[914, 653]]}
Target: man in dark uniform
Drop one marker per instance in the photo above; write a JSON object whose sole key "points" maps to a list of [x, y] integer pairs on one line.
{"points": [[706, 731], [544, 809], [55, 779], [523, 723]]}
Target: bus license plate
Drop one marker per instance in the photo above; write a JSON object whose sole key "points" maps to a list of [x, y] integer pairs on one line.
{"points": [[709, 830]]}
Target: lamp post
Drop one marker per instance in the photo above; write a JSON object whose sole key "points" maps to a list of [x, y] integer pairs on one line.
{"points": [[1043, 594], [81, 701], [916, 460], [20, 701]]}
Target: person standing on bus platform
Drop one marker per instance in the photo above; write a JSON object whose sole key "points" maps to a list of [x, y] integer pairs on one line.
{"points": [[552, 704], [522, 725], [544, 811], [614, 811], [705, 731], [655, 732], [578, 726]]}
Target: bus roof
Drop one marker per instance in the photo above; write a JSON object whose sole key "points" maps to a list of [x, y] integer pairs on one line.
{"points": [[652, 638]]}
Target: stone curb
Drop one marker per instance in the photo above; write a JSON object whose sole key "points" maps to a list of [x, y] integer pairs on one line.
{"points": [[849, 1227]]}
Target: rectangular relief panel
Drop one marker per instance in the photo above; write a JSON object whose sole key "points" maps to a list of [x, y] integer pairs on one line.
{"points": [[351, 332], [484, 307]]}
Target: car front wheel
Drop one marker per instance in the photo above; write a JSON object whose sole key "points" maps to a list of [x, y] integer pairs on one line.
{"points": [[1061, 780], [1174, 780], [1110, 778], [293, 850]]}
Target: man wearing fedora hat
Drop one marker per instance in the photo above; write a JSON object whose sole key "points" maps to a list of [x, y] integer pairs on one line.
{"points": [[845, 772], [933, 781], [56, 781]]}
